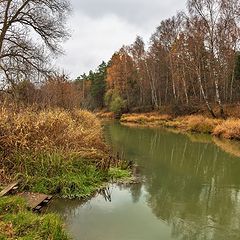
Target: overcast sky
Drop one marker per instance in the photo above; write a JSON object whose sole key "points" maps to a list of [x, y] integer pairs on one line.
{"points": [[100, 27]]}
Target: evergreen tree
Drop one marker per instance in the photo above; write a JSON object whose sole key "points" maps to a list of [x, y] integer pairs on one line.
{"points": [[98, 85]]}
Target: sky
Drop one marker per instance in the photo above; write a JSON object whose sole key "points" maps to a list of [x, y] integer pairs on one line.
{"points": [[98, 28]]}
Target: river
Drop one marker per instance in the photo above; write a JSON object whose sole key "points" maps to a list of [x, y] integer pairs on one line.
{"points": [[190, 190]]}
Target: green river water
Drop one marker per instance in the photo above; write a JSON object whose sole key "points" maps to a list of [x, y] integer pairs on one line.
{"points": [[190, 190]]}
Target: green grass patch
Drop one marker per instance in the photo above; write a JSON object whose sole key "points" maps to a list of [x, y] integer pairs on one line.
{"points": [[16, 222], [56, 174], [120, 174], [68, 177]]}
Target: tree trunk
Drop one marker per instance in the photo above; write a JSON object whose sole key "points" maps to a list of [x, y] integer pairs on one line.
{"points": [[205, 96]]}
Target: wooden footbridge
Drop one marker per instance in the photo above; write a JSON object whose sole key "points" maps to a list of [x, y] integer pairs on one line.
{"points": [[35, 201]]}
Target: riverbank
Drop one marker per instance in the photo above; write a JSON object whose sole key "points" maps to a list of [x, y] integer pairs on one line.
{"points": [[229, 129], [17, 222], [55, 152]]}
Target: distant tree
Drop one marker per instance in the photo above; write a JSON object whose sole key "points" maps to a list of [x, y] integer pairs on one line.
{"points": [[236, 79], [58, 91], [82, 83], [192, 62], [115, 103], [26, 92], [220, 22], [98, 85], [122, 77], [138, 53]]}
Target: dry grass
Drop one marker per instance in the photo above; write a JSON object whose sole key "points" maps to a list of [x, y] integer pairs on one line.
{"points": [[105, 115], [229, 129], [148, 118], [198, 123], [194, 123], [53, 151], [49, 130]]}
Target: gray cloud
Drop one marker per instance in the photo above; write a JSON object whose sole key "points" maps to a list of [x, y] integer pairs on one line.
{"points": [[133, 11], [100, 27]]}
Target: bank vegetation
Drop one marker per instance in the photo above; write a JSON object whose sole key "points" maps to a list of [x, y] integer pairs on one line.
{"points": [[228, 129]]}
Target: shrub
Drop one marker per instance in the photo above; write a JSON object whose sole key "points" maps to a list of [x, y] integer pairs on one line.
{"points": [[201, 124], [229, 129], [117, 106], [115, 103]]}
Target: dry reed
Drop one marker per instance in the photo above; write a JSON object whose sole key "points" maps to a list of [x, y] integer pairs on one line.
{"points": [[49, 130], [229, 129]]}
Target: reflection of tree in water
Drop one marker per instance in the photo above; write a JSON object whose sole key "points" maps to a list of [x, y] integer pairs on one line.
{"points": [[192, 185], [136, 191], [193, 193]]}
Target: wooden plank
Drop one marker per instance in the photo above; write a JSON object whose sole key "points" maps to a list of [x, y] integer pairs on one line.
{"points": [[38, 208], [35, 199], [8, 189]]}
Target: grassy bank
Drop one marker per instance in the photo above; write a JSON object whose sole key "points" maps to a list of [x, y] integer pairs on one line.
{"points": [[17, 222], [53, 152], [229, 129]]}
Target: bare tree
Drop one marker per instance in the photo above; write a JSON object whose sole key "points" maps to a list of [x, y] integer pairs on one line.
{"points": [[30, 33]]}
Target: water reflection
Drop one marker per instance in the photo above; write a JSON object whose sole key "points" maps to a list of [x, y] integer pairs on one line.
{"points": [[191, 190], [191, 183]]}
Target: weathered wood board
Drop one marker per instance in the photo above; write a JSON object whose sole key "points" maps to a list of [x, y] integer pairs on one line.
{"points": [[8, 189], [35, 199]]}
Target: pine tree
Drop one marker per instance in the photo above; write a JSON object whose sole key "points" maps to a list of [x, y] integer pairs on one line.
{"points": [[98, 85]]}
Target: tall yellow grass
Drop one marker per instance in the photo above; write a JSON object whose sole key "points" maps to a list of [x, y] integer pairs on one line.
{"points": [[148, 118], [105, 115], [199, 123], [49, 130], [229, 129]]}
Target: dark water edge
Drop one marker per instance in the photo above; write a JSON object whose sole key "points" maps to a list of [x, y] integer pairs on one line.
{"points": [[191, 190]]}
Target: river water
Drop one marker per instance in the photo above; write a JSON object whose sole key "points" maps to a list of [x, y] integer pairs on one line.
{"points": [[191, 190]]}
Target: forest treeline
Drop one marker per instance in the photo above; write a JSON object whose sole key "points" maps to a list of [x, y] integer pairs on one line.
{"points": [[191, 61]]}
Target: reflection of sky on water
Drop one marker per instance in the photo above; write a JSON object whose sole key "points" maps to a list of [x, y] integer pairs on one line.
{"points": [[120, 219]]}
